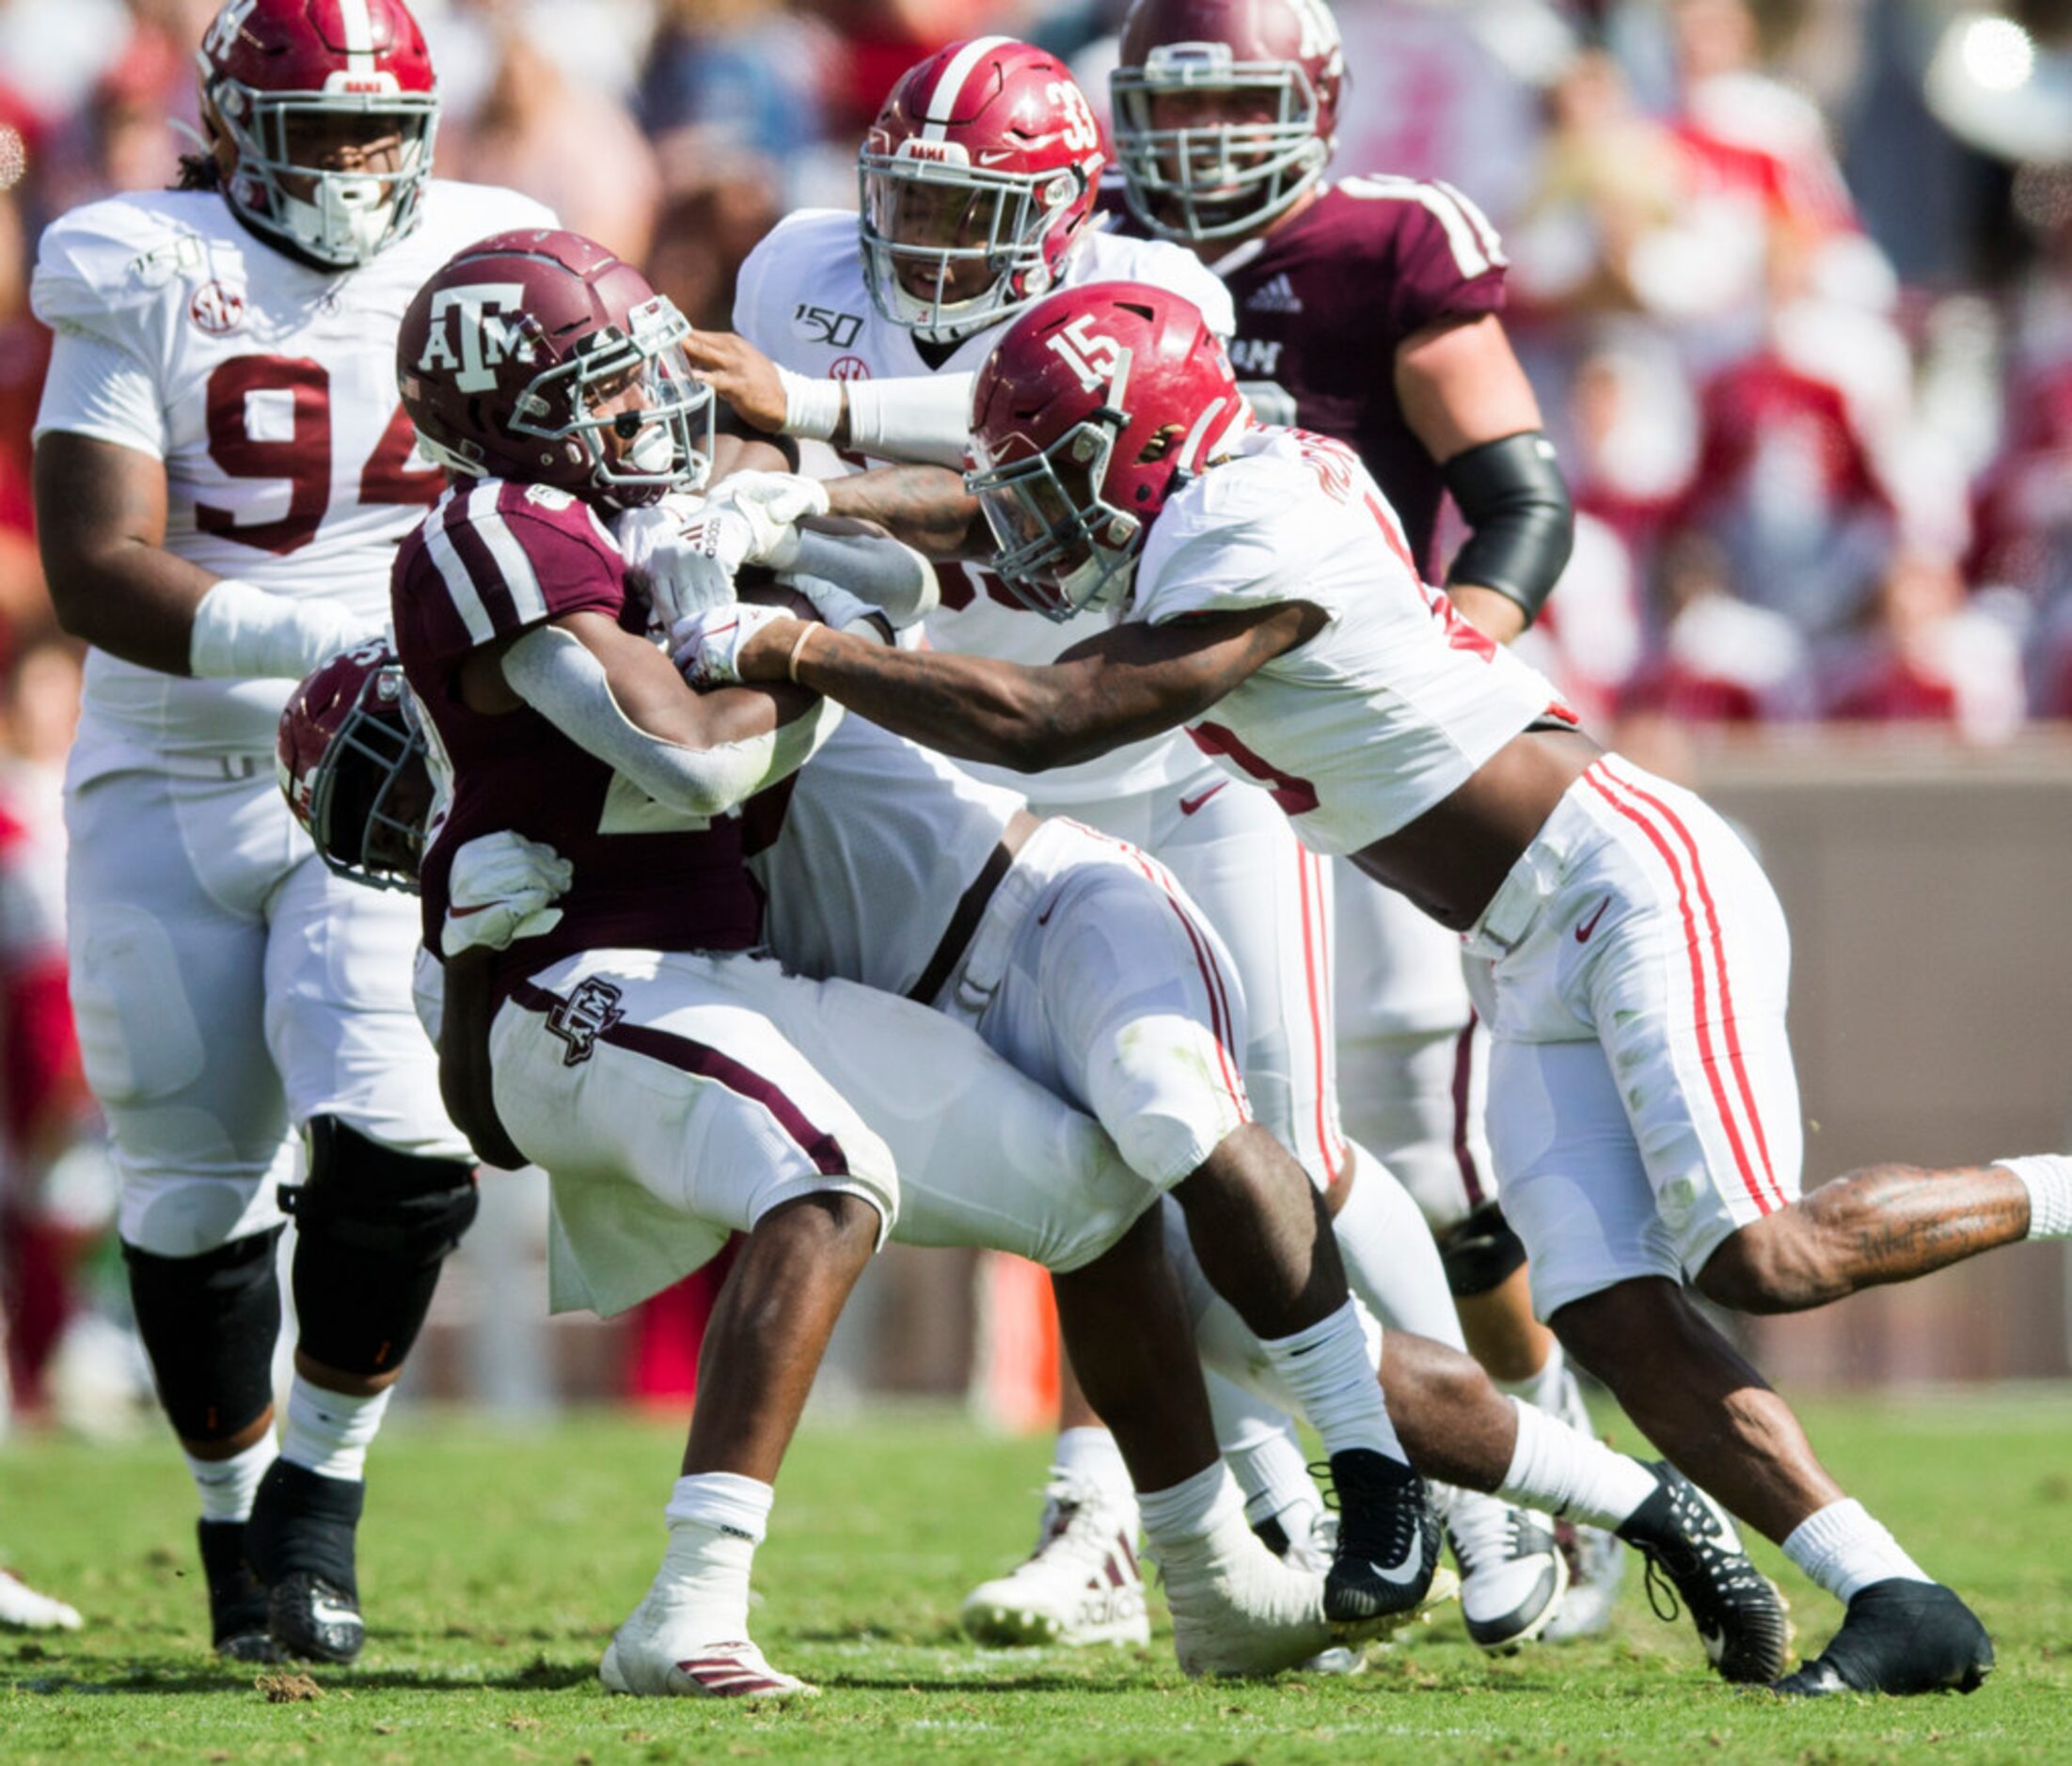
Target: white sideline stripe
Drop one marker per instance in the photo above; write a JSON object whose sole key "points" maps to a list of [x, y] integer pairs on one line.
{"points": [[460, 587], [527, 600], [359, 36], [942, 100]]}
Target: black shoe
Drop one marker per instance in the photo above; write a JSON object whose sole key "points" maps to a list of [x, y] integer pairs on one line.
{"points": [[1388, 1539], [237, 1599], [1900, 1636], [300, 1542], [1693, 1550]]}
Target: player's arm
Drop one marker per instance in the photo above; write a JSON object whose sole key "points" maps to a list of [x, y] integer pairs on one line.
{"points": [[1124, 685], [615, 696], [1468, 401], [101, 524]]}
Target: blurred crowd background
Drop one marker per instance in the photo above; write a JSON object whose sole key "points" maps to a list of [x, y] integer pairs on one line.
{"points": [[1793, 279]]}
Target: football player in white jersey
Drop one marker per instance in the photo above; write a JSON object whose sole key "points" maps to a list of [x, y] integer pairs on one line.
{"points": [[979, 182], [222, 475], [1643, 1111]]}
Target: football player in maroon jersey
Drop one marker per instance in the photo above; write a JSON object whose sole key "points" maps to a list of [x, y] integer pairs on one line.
{"points": [[1368, 310]]}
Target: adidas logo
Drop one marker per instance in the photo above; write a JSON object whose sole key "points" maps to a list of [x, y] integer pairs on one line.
{"points": [[1277, 296]]}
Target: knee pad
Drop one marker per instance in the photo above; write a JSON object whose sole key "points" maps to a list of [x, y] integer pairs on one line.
{"points": [[1481, 1252], [209, 1324], [373, 1228]]}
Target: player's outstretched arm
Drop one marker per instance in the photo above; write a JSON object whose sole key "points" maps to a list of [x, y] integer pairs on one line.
{"points": [[101, 524], [614, 695], [1129, 683], [926, 507]]}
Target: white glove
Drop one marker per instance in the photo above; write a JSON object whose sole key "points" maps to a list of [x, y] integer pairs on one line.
{"points": [[708, 646], [503, 888], [689, 550], [773, 504]]}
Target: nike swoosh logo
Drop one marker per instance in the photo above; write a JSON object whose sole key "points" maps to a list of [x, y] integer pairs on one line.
{"points": [[1589, 925], [1189, 805], [325, 1614], [462, 913], [1412, 1570]]}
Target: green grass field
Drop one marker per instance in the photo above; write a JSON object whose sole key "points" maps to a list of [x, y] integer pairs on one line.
{"points": [[494, 1566]]}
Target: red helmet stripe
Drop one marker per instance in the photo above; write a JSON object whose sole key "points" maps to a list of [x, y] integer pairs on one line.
{"points": [[942, 106]]}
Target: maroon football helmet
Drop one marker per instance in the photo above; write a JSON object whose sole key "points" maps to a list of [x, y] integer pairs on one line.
{"points": [[979, 173], [352, 763], [290, 82], [540, 357], [1098, 405], [1277, 70]]}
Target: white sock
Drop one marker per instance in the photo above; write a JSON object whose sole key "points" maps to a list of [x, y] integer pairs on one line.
{"points": [[1328, 1369], [1842, 1549], [1185, 1520], [1546, 1389], [227, 1486], [2048, 1177], [1091, 1453], [1557, 1469], [716, 1520], [329, 1432], [1391, 1260], [1258, 1445]]}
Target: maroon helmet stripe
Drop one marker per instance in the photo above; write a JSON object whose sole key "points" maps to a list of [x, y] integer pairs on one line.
{"points": [[707, 1062]]}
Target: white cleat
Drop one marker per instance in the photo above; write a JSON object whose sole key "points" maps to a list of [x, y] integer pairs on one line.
{"points": [[1512, 1573], [1313, 1552], [22, 1609], [1080, 1587], [644, 1660]]}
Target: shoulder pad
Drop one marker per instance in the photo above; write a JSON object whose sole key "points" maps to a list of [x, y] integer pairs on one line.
{"points": [[113, 256]]}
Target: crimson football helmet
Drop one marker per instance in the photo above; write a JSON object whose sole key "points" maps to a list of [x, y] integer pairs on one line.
{"points": [[540, 357], [289, 82], [1221, 178], [352, 763], [1098, 405], [975, 179]]}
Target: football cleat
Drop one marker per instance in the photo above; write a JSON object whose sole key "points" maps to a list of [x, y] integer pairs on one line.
{"points": [[1900, 1636], [1311, 1551], [1512, 1573], [299, 1542], [1693, 1550], [1387, 1554], [237, 1599], [22, 1609], [1080, 1587], [641, 1661]]}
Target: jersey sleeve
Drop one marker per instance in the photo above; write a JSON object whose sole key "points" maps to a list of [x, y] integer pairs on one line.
{"points": [[1449, 262], [756, 307], [99, 275], [1229, 544], [499, 559]]}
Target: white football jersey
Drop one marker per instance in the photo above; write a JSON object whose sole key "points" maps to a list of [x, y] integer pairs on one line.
{"points": [[268, 389], [1392, 706], [801, 299], [880, 840]]}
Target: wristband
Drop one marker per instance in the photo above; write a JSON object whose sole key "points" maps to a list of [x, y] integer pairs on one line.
{"points": [[798, 650], [812, 408]]}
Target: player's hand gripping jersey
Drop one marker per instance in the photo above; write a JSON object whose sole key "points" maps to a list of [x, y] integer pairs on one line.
{"points": [[1395, 703], [267, 387], [494, 559], [802, 300]]}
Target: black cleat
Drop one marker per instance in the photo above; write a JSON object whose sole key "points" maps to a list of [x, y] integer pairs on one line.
{"points": [[237, 1599], [300, 1542], [1693, 1550], [1900, 1636], [1388, 1539]]}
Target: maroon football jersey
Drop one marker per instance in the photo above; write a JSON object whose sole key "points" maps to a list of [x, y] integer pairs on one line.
{"points": [[493, 559], [1324, 300]]}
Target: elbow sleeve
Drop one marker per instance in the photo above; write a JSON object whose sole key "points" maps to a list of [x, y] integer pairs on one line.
{"points": [[1521, 522]]}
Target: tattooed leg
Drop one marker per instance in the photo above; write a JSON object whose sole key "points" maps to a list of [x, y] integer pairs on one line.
{"points": [[1885, 1223]]}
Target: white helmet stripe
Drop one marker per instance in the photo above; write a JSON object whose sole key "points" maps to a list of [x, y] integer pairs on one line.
{"points": [[359, 36], [941, 106]]}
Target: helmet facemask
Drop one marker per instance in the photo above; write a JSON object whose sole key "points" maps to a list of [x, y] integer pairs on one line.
{"points": [[339, 217], [1216, 179], [926, 208], [371, 794], [1062, 546]]}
